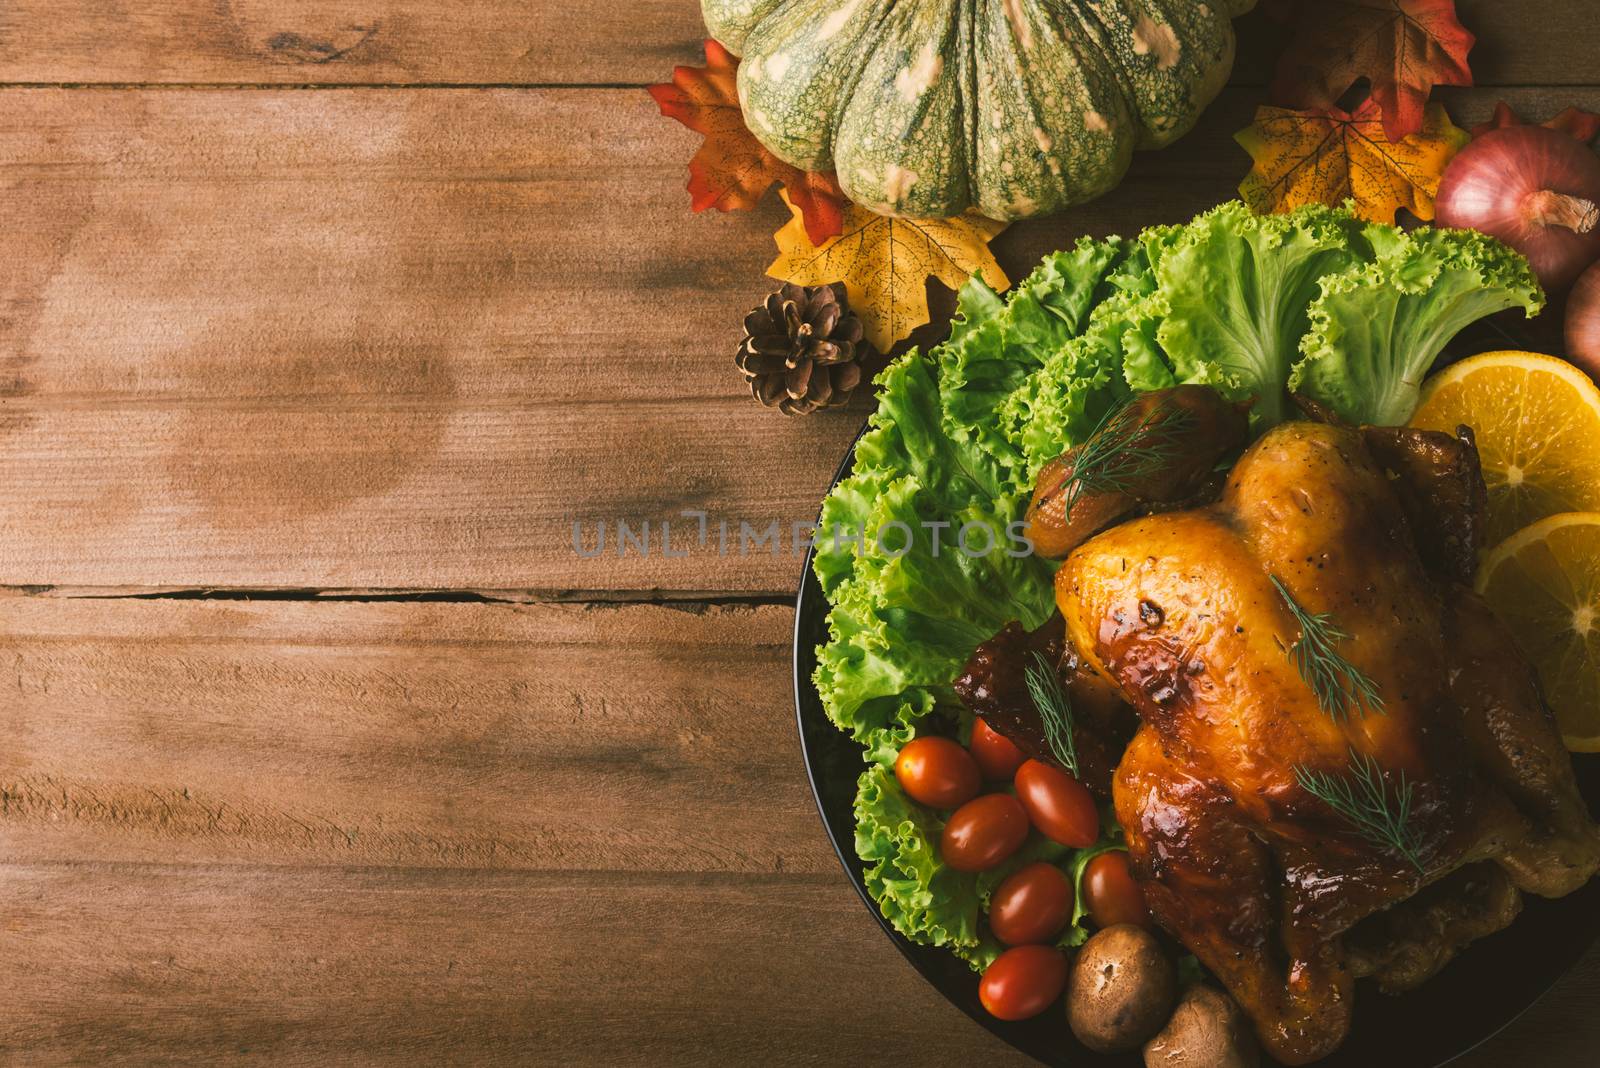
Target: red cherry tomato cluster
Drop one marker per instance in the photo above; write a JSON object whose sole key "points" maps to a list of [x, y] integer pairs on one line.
{"points": [[1034, 904]]}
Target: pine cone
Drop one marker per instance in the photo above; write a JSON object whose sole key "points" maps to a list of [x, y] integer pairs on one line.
{"points": [[802, 349]]}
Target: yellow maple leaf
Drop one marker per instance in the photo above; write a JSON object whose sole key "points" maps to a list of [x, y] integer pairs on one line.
{"points": [[885, 262], [1330, 156]]}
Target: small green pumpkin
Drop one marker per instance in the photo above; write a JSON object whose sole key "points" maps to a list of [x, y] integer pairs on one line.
{"points": [[1013, 107]]}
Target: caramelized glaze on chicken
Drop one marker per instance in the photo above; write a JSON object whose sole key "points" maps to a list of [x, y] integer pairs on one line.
{"points": [[1180, 616], [994, 685], [1179, 613]]}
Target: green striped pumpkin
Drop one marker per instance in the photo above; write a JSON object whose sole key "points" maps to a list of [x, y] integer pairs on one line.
{"points": [[1013, 107]]}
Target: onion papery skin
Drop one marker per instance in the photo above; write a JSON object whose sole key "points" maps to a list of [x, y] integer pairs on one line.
{"points": [[1583, 323], [1499, 183]]}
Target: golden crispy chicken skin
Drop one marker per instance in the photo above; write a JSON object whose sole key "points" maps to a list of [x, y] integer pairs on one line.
{"points": [[1260, 878]]}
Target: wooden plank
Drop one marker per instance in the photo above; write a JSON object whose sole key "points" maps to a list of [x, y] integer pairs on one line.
{"points": [[401, 833], [362, 42], [1527, 43], [470, 318], [530, 737], [508, 42], [159, 965], [386, 339]]}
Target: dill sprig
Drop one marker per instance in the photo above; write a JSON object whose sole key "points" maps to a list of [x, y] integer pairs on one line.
{"points": [[1055, 711], [1125, 449], [1364, 800], [1340, 686]]}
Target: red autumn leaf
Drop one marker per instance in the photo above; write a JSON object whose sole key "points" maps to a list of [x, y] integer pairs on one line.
{"points": [[732, 170], [1402, 47], [1582, 125], [820, 200]]}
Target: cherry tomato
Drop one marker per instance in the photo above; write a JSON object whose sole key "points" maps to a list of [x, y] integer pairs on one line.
{"points": [[1032, 905], [1023, 982], [1110, 893], [1058, 804], [983, 832], [937, 772], [997, 756]]}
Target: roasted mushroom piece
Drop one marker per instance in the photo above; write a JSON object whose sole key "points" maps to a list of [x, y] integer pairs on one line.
{"points": [[1207, 1030], [1121, 989]]}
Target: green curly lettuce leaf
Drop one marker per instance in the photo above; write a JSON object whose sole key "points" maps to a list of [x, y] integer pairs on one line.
{"points": [[1376, 328], [908, 436], [1144, 363], [908, 621], [1235, 293], [995, 345], [920, 555], [921, 897], [1061, 404], [1064, 400]]}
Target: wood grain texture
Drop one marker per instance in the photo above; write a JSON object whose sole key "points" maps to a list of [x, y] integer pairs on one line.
{"points": [[424, 833], [540, 737], [204, 965], [141, 965], [344, 42], [514, 42], [368, 326], [398, 833], [406, 340]]}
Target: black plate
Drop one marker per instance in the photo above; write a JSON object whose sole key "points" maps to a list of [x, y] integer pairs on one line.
{"points": [[1478, 994]]}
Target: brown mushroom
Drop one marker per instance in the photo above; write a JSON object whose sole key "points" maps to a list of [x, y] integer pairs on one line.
{"points": [[1121, 990], [1207, 1030]]}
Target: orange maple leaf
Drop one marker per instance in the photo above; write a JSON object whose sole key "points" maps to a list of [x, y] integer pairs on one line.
{"points": [[1403, 47], [732, 170], [885, 262], [1328, 157], [1580, 124]]}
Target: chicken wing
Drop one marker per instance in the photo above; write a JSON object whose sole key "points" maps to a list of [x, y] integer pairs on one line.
{"points": [[994, 685]]}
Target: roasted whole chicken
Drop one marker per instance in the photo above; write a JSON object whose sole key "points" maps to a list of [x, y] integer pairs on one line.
{"points": [[1339, 765]]}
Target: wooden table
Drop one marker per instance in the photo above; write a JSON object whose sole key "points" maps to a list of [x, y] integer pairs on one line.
{"points": [[320, 325]]}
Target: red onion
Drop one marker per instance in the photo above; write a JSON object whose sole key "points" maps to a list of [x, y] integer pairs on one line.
{"points": [[1533, 188], [1583, 323]]}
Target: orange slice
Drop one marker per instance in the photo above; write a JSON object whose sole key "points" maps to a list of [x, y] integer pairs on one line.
{"points": [[1544, 583], [1537, 421]]}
